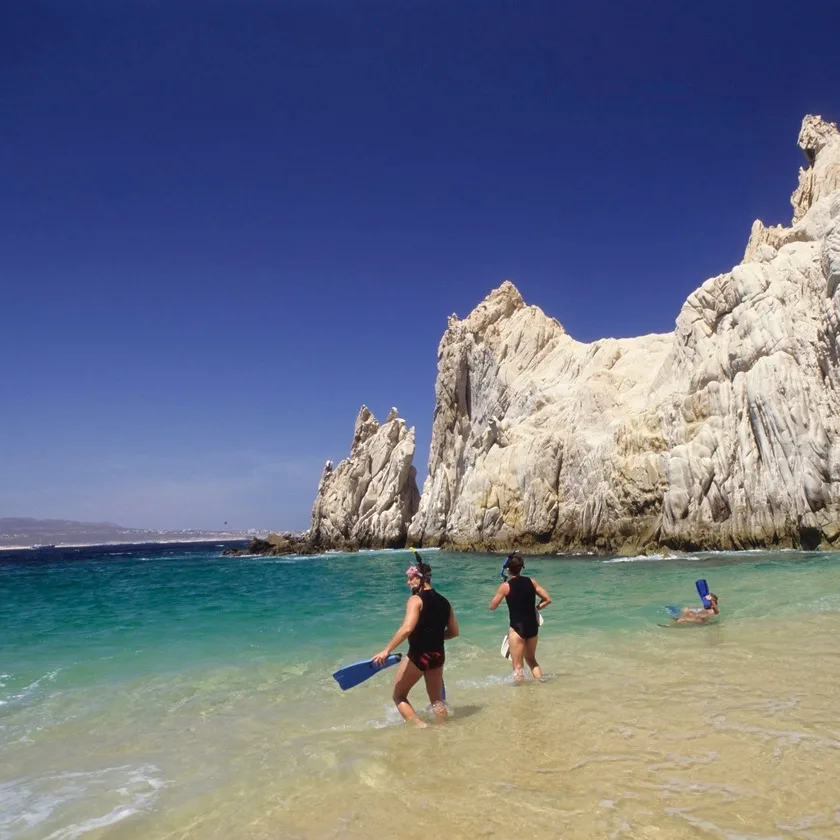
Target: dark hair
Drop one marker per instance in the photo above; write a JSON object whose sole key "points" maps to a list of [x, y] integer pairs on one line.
{"points": [[515, 564]]}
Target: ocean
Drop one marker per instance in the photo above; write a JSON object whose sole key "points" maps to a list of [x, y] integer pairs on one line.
{"points": [[170, 692]]}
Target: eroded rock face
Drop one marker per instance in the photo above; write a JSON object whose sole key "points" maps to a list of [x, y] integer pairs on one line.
{"points": [[821, 175], [722, 434], [368, 500]]}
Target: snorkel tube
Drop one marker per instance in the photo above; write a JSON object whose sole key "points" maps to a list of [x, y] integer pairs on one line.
{"points": [[503, 570], [417, 572]]}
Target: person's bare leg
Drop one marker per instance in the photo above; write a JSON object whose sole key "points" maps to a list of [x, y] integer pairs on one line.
{"points": [[517, 654], [407, 677], [531, 657], [434, 688]]}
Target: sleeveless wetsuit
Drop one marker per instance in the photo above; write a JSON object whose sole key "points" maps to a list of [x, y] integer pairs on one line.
{"points": [[425, 644], [521, 606]]}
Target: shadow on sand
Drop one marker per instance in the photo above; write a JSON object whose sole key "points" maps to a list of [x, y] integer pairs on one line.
{"points": [[461, 712]]}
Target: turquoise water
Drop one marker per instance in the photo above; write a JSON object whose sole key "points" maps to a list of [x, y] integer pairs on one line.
{"points": [[176, 693]]}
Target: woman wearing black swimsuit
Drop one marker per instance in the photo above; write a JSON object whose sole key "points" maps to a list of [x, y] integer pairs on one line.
{"points": [[429, 620], [520, 593]]}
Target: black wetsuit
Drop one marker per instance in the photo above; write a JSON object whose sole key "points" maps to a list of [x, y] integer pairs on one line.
{"points": [[425, 644], [521, 606]]}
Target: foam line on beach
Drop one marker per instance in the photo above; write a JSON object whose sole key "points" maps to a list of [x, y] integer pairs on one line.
{"points": [[32, 802], [30, 691]]}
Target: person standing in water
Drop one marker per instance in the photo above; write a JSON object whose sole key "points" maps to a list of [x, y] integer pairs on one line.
{"points": [[520, 592], [429, 620]]}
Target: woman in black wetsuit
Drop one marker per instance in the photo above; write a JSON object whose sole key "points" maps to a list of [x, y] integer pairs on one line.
{"points": [[429, 619], [520, 592]]}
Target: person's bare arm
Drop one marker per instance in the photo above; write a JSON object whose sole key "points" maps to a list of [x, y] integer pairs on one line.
{"points": [[452, 630], [412, 615], [500, 594], [545, 598]]}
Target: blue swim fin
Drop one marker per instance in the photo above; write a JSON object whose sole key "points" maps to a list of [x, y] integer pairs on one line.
{"points": [[673, 610], [352, 675], [703, 592]]}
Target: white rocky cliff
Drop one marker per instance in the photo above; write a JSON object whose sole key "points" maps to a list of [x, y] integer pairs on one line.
{"points": [[368, 500], [722, 434]]}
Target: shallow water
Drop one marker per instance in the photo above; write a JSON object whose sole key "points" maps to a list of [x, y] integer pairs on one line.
{"points": [[177, 694]]}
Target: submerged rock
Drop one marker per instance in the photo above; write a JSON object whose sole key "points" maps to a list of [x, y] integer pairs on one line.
{"points": [[722, 434]]}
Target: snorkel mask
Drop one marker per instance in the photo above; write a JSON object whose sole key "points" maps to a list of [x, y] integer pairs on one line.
{"points": [[519, 564], [416, 578]]}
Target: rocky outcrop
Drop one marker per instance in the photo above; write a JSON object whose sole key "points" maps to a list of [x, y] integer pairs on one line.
{"points": [[368, 500], [285, 542], [722, 434], [821, 174]]}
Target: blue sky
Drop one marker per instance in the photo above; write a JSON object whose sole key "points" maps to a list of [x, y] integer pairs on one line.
{"points": [[225, 226]]}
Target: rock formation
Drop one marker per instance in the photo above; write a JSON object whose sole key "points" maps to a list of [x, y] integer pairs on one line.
{"points": [[285, 542], [368, 500], [722, 434]]}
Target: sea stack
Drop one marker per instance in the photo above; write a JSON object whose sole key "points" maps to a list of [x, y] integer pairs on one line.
{"points": [[368, 500], [722, 434]]}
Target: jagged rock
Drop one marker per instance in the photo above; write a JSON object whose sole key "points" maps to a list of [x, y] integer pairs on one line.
{"points": [[722, 434], [286, 542], [368, 500], [819, 141]]}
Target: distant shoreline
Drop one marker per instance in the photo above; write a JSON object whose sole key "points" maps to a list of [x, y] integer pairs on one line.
{"points": [[116, 544]]}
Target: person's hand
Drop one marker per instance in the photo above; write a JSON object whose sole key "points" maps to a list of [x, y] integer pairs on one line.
{"points": [[380, 657]]}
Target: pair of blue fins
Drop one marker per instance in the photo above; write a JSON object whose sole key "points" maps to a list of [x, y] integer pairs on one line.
{"points": [[702, 591]]}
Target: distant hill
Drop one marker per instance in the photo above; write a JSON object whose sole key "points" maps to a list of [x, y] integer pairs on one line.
{"points": [[24, 531]]}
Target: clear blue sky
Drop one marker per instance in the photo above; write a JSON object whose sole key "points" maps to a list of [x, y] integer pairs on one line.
{"points": [[225, 226]]}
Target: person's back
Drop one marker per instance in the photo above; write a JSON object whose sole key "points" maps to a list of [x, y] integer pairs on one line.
{"points": [[520, 593], [428, 635], [521, 604]]}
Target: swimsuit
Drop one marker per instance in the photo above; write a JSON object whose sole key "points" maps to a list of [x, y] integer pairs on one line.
{"points": [[425, 644], [428, 661], [520, 601]]}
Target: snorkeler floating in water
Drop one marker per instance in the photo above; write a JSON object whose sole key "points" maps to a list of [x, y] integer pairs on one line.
{"points": [[698, 616]]}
